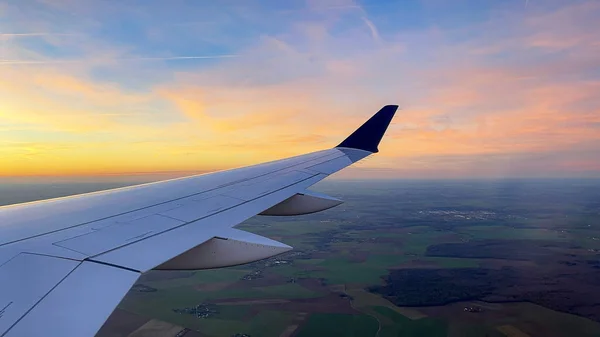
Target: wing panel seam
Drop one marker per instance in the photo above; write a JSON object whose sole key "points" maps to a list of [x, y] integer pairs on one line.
{"points": [[53, 256], [114, 265], [325, 162]]}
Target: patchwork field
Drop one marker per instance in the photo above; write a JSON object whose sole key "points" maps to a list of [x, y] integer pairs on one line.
{"points": [[401, 258]]}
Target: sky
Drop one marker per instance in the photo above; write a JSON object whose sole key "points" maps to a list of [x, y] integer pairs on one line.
{"points": [[487, 89]]}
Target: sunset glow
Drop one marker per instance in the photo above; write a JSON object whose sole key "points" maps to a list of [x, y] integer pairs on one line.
{"points": [[497, 89]]}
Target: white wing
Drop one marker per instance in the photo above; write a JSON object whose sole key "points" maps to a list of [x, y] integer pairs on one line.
{"points": [[66, 263]]}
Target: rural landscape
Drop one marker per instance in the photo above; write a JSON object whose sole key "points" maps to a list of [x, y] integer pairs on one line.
{"points": [[399, 258], [456, 258]]}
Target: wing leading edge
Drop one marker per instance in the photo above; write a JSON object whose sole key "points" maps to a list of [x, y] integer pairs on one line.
{"points": [[66, 263]]}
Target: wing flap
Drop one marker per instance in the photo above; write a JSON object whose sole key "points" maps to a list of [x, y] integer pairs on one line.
{"points": [[79, 304], [24, 281], [118, 235]]}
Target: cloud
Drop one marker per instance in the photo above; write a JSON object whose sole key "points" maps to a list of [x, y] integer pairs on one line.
{"points": [[6, 36], [130, 59], [373, 29], [512, 95], [63, 101]]}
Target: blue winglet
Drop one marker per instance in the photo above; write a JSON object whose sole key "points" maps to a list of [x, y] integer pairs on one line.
{"points": [[368, 136]]}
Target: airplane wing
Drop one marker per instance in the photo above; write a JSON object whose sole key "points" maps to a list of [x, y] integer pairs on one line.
{"points": [[66, 263]]}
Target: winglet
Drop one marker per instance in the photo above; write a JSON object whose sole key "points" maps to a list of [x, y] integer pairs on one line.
{"points": [[368, 136]]}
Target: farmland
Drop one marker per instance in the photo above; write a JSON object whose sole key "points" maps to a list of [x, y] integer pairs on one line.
{"points": [[401, 258]]}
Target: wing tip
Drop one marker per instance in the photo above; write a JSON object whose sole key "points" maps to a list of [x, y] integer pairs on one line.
{"points": [[368, 135]]}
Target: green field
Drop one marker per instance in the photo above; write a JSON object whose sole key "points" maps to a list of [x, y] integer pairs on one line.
{"points": [[341, 270], [504, 232], [265, 323], [402, 326], [201, 277], [450, 262], [339, 325]]}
